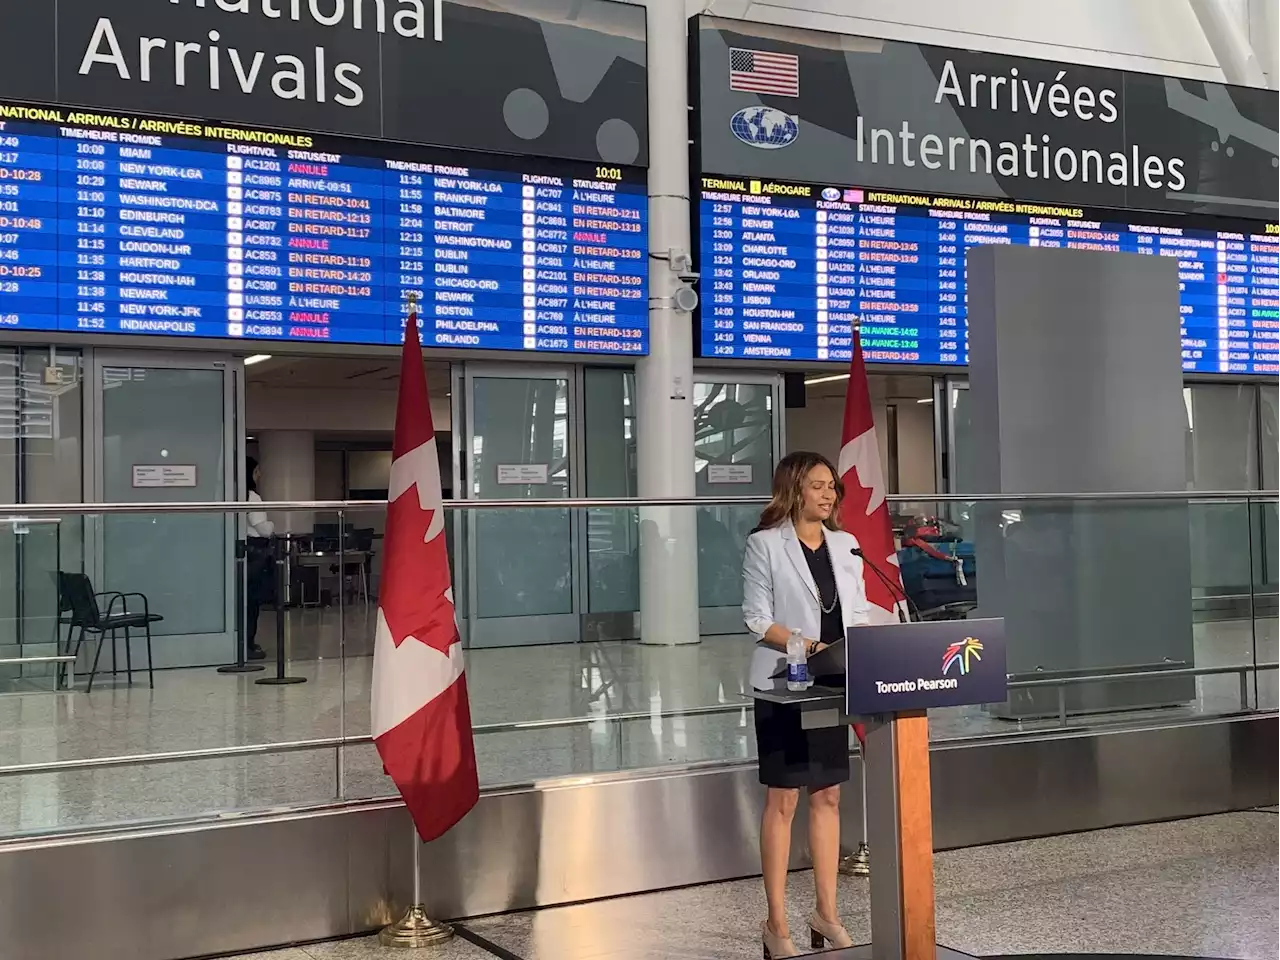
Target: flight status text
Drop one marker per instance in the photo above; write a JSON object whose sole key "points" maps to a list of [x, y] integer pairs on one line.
{"points": [[789, 269], [112, 227]]}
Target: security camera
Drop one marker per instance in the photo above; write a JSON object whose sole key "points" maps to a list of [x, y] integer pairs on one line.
{"points": [[685, 298], [681, 263]]}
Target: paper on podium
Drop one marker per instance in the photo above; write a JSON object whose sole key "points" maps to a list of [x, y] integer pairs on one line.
{"points": [[827, 662]]}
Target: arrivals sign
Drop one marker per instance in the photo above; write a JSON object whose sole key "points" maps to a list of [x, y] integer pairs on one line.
{"points": [[781, 103], [515, 76]]}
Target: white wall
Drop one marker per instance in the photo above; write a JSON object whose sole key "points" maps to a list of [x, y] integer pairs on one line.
{"points": [[816, 427], [330, 483], [917, 472], [329, 411], [369, 469], [1153, 36]]}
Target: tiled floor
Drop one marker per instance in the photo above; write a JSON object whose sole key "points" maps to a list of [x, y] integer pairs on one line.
{"points": [[1204, 887], [368, 948], [198, 709]]}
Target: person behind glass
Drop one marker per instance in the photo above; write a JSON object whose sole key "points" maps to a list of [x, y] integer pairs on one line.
{"points": [[799, 572], [259, 563]]}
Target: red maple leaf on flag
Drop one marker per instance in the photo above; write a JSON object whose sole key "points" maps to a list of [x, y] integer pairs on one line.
{"points": [[864, 512], [416, 595]]}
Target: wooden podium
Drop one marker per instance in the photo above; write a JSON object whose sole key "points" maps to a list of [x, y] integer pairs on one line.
{"points": [[893, 675]]}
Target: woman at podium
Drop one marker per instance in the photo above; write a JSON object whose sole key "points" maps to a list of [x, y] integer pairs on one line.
{"points": [[799, 572]]}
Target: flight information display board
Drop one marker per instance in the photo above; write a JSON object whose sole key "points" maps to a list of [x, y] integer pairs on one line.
{"points": [[788, 268], [127, 225]]}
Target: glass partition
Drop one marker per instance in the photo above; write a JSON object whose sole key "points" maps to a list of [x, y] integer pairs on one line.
{"points": [[237, 734], [29, 629], [41, 420], [165, 426], [521, 588], [735, 450], [1267, 570], [612, 536]]}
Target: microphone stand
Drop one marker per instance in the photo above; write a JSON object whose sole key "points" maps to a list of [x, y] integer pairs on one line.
{"points": [[904, 616]]}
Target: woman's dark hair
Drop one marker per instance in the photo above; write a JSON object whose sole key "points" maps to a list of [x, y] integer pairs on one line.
{"points": [[250, 468], [788, 490]]}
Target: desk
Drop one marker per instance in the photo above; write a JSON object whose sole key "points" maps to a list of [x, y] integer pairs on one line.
{"points": [[330, 565]]}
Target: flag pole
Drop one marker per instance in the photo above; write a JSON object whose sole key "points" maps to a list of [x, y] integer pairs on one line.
{"points": [[858, 864], [415, 929]]}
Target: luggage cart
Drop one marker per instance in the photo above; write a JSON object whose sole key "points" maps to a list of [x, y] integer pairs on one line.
{"points": [[938, 570]]}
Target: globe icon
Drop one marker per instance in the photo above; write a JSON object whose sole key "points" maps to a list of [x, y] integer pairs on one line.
{"points": [[764, 127]]}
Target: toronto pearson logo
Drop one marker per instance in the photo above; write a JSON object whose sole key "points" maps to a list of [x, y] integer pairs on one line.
{"points": [[961, 652]]}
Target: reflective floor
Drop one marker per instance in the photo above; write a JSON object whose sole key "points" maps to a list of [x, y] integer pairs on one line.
{"points": [[199, 709], [1196, 888]]}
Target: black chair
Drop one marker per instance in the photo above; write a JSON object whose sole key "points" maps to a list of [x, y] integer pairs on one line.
{"points": [[76, 596]]}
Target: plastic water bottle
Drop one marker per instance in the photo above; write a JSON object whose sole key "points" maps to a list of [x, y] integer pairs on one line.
{"points": [[797, 663]]}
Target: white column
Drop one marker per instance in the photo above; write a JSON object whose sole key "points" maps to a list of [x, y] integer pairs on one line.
{"points": [[1264, 29], [664, 379], [1225, 27], [288, 462]]}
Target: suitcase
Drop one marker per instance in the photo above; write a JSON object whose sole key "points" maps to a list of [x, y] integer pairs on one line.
{"points": [[932, 583]]}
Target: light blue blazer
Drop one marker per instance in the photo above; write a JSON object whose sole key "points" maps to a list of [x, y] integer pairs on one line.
{"points": [[777, 587]]}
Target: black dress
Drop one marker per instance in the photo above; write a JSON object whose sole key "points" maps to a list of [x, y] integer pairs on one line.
{"points": [[791, 756]]}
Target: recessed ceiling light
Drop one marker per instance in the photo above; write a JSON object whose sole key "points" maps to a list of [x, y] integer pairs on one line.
{"points": [[256, 358], [831, 379]]}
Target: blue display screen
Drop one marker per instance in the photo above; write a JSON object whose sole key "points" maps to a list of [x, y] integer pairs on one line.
{"points": [[789, 268], [116, 225]]}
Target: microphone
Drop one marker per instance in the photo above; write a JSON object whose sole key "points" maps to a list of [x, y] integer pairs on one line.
{"points": [[894, 590]]}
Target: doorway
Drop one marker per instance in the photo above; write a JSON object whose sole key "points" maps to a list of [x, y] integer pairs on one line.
{"points": [[517, 443], [165, 430]]}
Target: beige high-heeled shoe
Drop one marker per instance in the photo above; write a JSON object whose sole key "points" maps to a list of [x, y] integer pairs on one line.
{"points": [[822, 933], [775, 947]]}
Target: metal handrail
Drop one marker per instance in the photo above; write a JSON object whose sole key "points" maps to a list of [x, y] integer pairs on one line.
{"points": [[1141, 675], [1061, 683], [33, 510], [10, 661], [322, 743]]}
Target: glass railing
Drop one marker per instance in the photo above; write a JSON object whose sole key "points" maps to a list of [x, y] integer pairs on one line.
{"points": [[1120, 610]]}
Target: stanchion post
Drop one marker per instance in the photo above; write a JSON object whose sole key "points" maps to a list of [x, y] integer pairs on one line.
{"points": [[280, 678], [415, 928], [242, 634]]}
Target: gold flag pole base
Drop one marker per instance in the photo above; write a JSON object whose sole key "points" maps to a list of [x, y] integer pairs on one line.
{"points": [[415, 929], [857, 864]]}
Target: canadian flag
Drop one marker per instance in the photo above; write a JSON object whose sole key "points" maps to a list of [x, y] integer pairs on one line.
{"points": [[864, 511], [421, 715]]}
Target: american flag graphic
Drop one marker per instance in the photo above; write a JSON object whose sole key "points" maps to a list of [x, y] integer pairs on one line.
{"points": [[757, 71]]}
